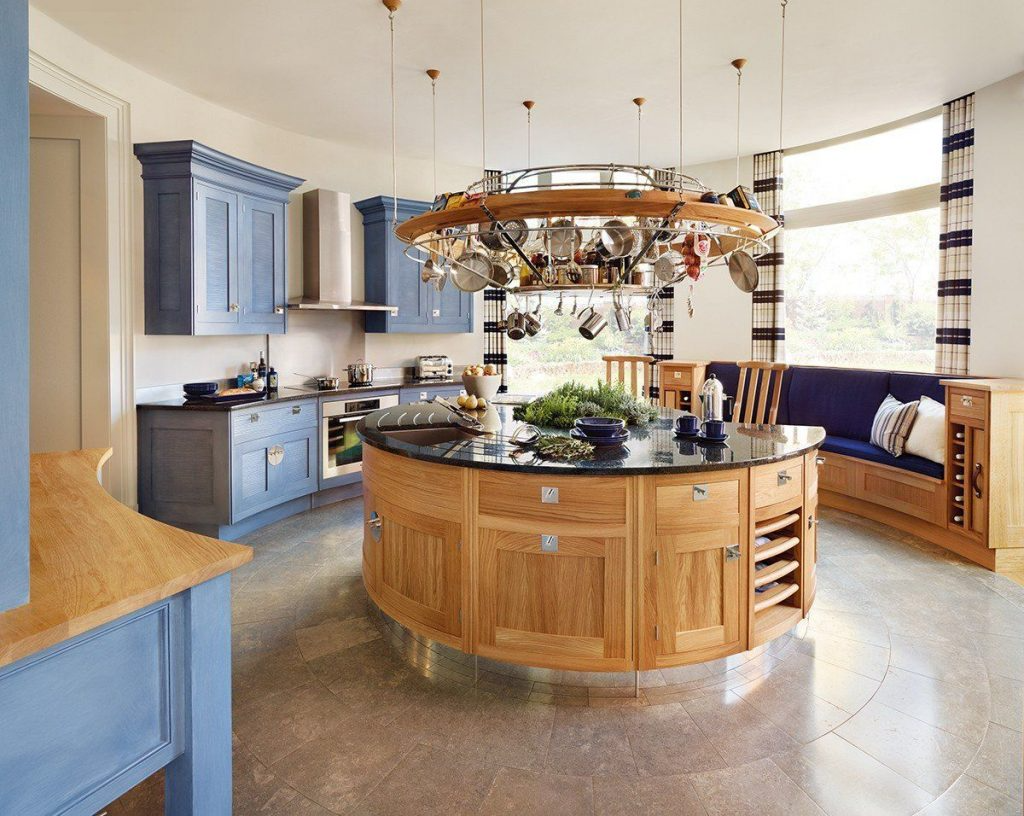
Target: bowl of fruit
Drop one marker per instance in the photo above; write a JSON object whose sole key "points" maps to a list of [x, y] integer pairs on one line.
{"points": [[481, 381]]}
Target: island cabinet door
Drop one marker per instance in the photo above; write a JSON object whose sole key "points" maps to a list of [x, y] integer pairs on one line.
{"points": [[809, 525], [553, 600], [413, 567], [693, 533]]}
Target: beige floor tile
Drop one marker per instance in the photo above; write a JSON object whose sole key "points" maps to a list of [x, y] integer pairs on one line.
{"points": [[589, 742], [428, 781], [861, 658], [529, 793], [845, 781], [666, 741], [943, 661], [738, 731], [968, 797], [1007, 702], [646, 796], [869, 629], [998, 763], [841, 687], [335, 635], [960, 710], [756, 789], [928, 756], [797, 711]]}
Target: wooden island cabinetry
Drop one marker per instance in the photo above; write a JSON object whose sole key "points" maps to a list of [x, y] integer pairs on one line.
{"points": [[590, 572]]}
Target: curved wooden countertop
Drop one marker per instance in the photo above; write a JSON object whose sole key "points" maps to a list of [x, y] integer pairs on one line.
{"points": [[93, 559]]}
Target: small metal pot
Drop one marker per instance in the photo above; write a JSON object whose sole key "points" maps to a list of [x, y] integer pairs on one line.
{"points": [[515, 325], [617, 239], [593, 324], [360, 373]]}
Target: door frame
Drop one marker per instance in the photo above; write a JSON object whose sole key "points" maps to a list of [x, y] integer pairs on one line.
{"points": [[120, 278]]}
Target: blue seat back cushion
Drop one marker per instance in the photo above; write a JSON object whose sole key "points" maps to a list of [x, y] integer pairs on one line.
{"points": [[843, 401], [909, 387]]}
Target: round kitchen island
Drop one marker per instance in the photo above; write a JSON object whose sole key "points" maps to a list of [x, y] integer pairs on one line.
{"points": [[658, 553]]}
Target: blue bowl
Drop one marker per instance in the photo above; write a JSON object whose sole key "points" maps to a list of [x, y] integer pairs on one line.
{"points": [[200, 389], [600, 426]]}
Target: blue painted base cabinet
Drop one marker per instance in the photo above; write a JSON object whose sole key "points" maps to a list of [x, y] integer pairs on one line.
{"points": [[215, 235], [209, 471], [393, 278], [84, 721]]}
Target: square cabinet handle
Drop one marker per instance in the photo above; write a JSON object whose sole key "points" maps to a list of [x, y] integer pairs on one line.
{"points": [[966, 401], [254, 417], [784, 478], [297, 409]]}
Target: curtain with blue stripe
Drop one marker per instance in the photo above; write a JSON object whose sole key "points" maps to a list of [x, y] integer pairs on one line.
{"points": [[956, 237], [768, 332]]}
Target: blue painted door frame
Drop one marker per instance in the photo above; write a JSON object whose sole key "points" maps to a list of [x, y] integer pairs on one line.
{"points": [[14, 479]]}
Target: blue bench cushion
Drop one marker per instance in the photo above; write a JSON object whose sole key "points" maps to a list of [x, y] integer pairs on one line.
{"points": [[873, 453], [843, 401], [909, 387]]}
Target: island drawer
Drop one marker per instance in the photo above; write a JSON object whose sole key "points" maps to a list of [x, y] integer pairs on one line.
{"points": [[265, 420], [682, 501], [586, 501], [778, 483]]}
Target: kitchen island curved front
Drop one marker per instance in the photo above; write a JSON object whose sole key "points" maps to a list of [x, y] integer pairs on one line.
{"points": [[660, 553]]}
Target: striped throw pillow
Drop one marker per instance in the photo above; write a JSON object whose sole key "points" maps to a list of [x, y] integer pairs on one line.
{"points": [[892, 424]]}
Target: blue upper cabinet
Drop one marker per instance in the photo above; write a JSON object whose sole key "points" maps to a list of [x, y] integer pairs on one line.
{"points": [[215, 231], [393, 278]]}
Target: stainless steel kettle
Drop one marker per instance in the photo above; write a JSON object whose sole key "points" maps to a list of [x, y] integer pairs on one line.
{"points": [[712, 398]]}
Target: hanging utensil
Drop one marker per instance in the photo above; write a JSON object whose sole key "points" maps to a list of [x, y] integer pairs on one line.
{"points": [[593, 323], [472, 272], [564, 238], [668, 266], [515, 325], [652, 320], [743, 271], [558, 308], [621, 316], [617, 238], [573, 312]]}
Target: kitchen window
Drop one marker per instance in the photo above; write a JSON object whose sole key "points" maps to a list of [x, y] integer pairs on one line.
{"points": [[862, 249]]}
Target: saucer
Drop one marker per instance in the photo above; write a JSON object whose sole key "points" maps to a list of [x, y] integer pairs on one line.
{"points": [[600, 441], [686, 434], [711, 440]]}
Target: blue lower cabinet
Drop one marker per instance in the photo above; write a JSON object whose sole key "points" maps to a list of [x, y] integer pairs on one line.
{"points": [[426, 392], [268, 471], [86, 720]]}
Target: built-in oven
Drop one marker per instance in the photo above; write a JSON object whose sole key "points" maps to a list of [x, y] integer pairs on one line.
{"points": [[341, 445]]}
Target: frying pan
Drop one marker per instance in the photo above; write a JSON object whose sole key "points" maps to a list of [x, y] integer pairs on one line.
{"points": [[743, 271]]}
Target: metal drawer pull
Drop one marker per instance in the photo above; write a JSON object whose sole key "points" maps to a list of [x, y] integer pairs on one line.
{"points": [[279, 310], [819, 460], [297, 409], [784, 478], [549, 495], [234, 307], [275, 454], [732, 552], [974, 480], [254, 417], [375, 523], [700, 492], [549, 543], [966, 401]]}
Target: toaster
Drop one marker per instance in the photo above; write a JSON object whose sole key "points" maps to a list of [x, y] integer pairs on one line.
{"points": [[434, 367]]}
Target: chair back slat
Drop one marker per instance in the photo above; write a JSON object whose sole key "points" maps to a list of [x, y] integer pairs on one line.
{"points": [[639, 372], [752, 404]]}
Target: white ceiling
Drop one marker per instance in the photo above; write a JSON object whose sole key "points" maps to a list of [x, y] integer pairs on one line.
{"points": [[320, 67]]}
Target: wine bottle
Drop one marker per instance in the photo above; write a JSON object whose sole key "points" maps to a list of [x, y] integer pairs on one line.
{"points": [[959, 435], [261, 369], [958, 519], [959, 457]]}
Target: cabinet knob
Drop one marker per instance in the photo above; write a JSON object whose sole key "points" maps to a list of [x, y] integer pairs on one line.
{"points": [[279, 310], [784, 478], [819, 460], [732, 552], [437, 312], [233, 307], [275, 454], [375, 523], [296, 409], [254, 417], [966, 401]]}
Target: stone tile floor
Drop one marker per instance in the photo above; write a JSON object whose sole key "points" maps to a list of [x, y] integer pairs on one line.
{"points": [[902, 693]]}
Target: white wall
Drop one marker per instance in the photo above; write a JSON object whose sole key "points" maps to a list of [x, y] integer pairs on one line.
{"points": [[159, 112], [997, 323], [721, 323]]}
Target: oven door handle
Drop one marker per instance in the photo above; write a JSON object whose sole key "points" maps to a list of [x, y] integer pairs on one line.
{"points": [[348, 417]]}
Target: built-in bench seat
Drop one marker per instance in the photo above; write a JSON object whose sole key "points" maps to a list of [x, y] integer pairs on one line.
{"points": [[843, 401]]}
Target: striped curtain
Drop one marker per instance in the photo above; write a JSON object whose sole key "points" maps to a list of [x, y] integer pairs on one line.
{"points": [[956, 236], [494, 333], [768, 334], [662, 340]]}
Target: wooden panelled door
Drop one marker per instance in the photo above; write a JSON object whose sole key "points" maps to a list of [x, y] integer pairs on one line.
{"points": [[693, 533], [541, 599], [413, 563]]}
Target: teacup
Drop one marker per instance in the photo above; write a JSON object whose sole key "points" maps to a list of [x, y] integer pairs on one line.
{"points": [[686, 424], [713, 428]]}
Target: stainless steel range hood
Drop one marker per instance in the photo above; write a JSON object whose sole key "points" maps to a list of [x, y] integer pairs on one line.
{"points": [[327, 256]]}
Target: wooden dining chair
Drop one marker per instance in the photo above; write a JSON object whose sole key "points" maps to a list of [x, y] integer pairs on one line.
{"points": [[639, 366], [763, 377]]}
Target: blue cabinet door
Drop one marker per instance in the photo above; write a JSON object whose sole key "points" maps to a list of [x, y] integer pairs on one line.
{"points": [[261, 260], [215, 233], [393, 278], [271, 470]]}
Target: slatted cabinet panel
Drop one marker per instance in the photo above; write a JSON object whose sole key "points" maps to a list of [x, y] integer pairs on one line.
{"points": [[538, 605], [693, 536], [216, 256], [261, 252]]}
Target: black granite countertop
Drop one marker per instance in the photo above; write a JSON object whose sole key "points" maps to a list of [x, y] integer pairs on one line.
{"points": [[652, 449], [292, 393]]}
